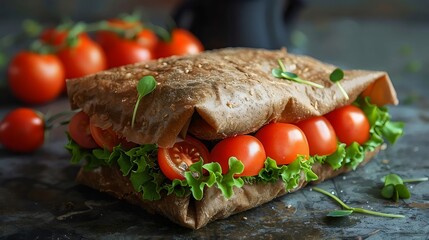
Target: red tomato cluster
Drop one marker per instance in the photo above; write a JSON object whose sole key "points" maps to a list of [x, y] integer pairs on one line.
{"points": [[38, 77], [282, 142]]}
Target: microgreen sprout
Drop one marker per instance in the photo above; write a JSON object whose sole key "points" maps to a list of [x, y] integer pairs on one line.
{"points": [[282, 73], [395, 189], [145, 86], [349, 210], [336, 76]]}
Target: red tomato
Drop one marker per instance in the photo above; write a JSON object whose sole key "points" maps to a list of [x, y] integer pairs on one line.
{"points": [[108, 139], [320, 135], [79, 131], [85, 58], [246, 148], [350, 124], [124, 52], [283, 142], [182, 42], [22, 130], [145, 38], [175, 161], [148, 39], [36, 78], [53, 37], [107, 38]]}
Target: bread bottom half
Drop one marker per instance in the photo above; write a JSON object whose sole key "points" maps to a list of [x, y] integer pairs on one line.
{"points": [[194, 214]]}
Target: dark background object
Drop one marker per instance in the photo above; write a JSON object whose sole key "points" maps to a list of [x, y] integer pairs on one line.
{"points": [[239, 23]]}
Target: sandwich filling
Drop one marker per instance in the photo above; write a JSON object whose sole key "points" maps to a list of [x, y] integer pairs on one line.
{"points": [[270, 154]]}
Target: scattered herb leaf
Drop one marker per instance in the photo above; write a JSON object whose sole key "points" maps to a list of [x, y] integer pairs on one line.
{"points": [[338, 213], [145, 86], [336, 76], [282, 73], [395, 189]]}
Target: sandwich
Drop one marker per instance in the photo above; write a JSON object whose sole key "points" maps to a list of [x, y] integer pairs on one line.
{"points": [[198, 138]]}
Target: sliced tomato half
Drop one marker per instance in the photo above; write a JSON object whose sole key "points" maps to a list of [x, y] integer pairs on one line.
{"points": [[108, 139], [79, 131], [175, 161]]}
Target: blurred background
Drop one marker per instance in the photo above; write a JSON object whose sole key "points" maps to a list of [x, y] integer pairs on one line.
{"points": [[390, 35]]}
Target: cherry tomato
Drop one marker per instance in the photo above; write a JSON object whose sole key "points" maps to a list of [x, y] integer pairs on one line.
{"points": [[350, 124], [53, 37], [124, 52], [36, 78], [106, 38], [182, 42], [22, 130], [175, 161], [283, 142], [79, 131], [145, 38], [246, 148], [108, 139], [85, 58], [320, 135]]}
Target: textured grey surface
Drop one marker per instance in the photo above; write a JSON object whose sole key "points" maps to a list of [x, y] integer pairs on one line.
{"points": [[39, 199]]}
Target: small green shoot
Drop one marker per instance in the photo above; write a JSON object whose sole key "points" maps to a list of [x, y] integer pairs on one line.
{"points": [[145, 86], [336, 76], [394, 187], [282, 73], [349, 210]]}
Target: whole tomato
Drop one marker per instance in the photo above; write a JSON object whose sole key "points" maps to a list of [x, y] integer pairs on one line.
{"points": [[320, 135], [145, 37], [350, 124], [182, 42], [36, 78], [245, 148], [85, 58], [124, 52], [283, 142], [22, 130]]}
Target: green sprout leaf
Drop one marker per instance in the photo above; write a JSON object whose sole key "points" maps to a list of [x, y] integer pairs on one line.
{"points": [[394, 187], [282, 73], [145, 86], [336, 76], [349, 210], [339, 213]]}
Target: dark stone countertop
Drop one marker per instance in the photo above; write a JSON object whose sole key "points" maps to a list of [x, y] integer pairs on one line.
{"points": [[40, 200]]}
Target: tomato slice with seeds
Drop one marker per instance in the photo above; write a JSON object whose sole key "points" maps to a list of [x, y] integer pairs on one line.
{"points": [[175, 161]]}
